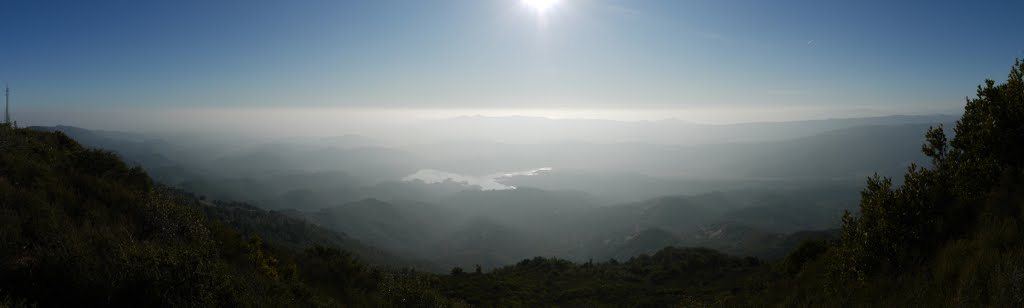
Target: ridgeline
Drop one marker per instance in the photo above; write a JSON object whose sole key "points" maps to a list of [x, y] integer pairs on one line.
{"points": [[79, 227]]}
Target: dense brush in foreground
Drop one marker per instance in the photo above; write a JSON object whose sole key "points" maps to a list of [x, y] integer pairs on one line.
{"points": [[951, 235], [80, 227]]}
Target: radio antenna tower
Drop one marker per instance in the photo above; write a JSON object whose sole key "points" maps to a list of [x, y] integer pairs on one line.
{"points": [[7, 104]]}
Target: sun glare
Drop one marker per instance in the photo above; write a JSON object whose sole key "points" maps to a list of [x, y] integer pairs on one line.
{"points": [[540, 6]]}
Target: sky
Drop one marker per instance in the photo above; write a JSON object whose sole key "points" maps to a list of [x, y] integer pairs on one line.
{"points": [[836, 57]]}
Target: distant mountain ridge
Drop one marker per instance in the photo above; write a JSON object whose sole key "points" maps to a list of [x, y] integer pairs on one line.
{"points": [[419, 220], [524, 129]]}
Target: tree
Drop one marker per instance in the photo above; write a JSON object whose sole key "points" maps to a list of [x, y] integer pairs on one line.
{"points": [[457, 271], [900, 226]]}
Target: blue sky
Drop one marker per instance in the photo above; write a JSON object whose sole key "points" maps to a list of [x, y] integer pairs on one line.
{"points": [[500, 54]]}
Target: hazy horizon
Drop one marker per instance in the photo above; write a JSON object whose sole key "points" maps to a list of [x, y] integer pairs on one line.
{"points": [[698, 61], [281, 122]]}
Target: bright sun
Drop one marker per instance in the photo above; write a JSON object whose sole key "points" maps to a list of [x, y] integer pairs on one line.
{"points": [[541, 6]]}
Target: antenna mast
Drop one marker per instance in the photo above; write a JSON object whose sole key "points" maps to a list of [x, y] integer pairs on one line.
{"points": [[7, 104]]}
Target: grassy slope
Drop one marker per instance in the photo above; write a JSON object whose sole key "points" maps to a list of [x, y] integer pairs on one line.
{"points": [[80, 227]]}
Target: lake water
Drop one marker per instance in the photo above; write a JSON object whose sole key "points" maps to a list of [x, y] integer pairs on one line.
{"points": [[485, 182]]}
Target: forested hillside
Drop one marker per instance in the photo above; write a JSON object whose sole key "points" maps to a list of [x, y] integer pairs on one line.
{"points": [[79, 227]]}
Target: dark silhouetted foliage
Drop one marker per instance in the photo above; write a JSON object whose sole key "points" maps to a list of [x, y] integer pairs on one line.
{"points": [[668, 277], [951, 235], [79, 227]]}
